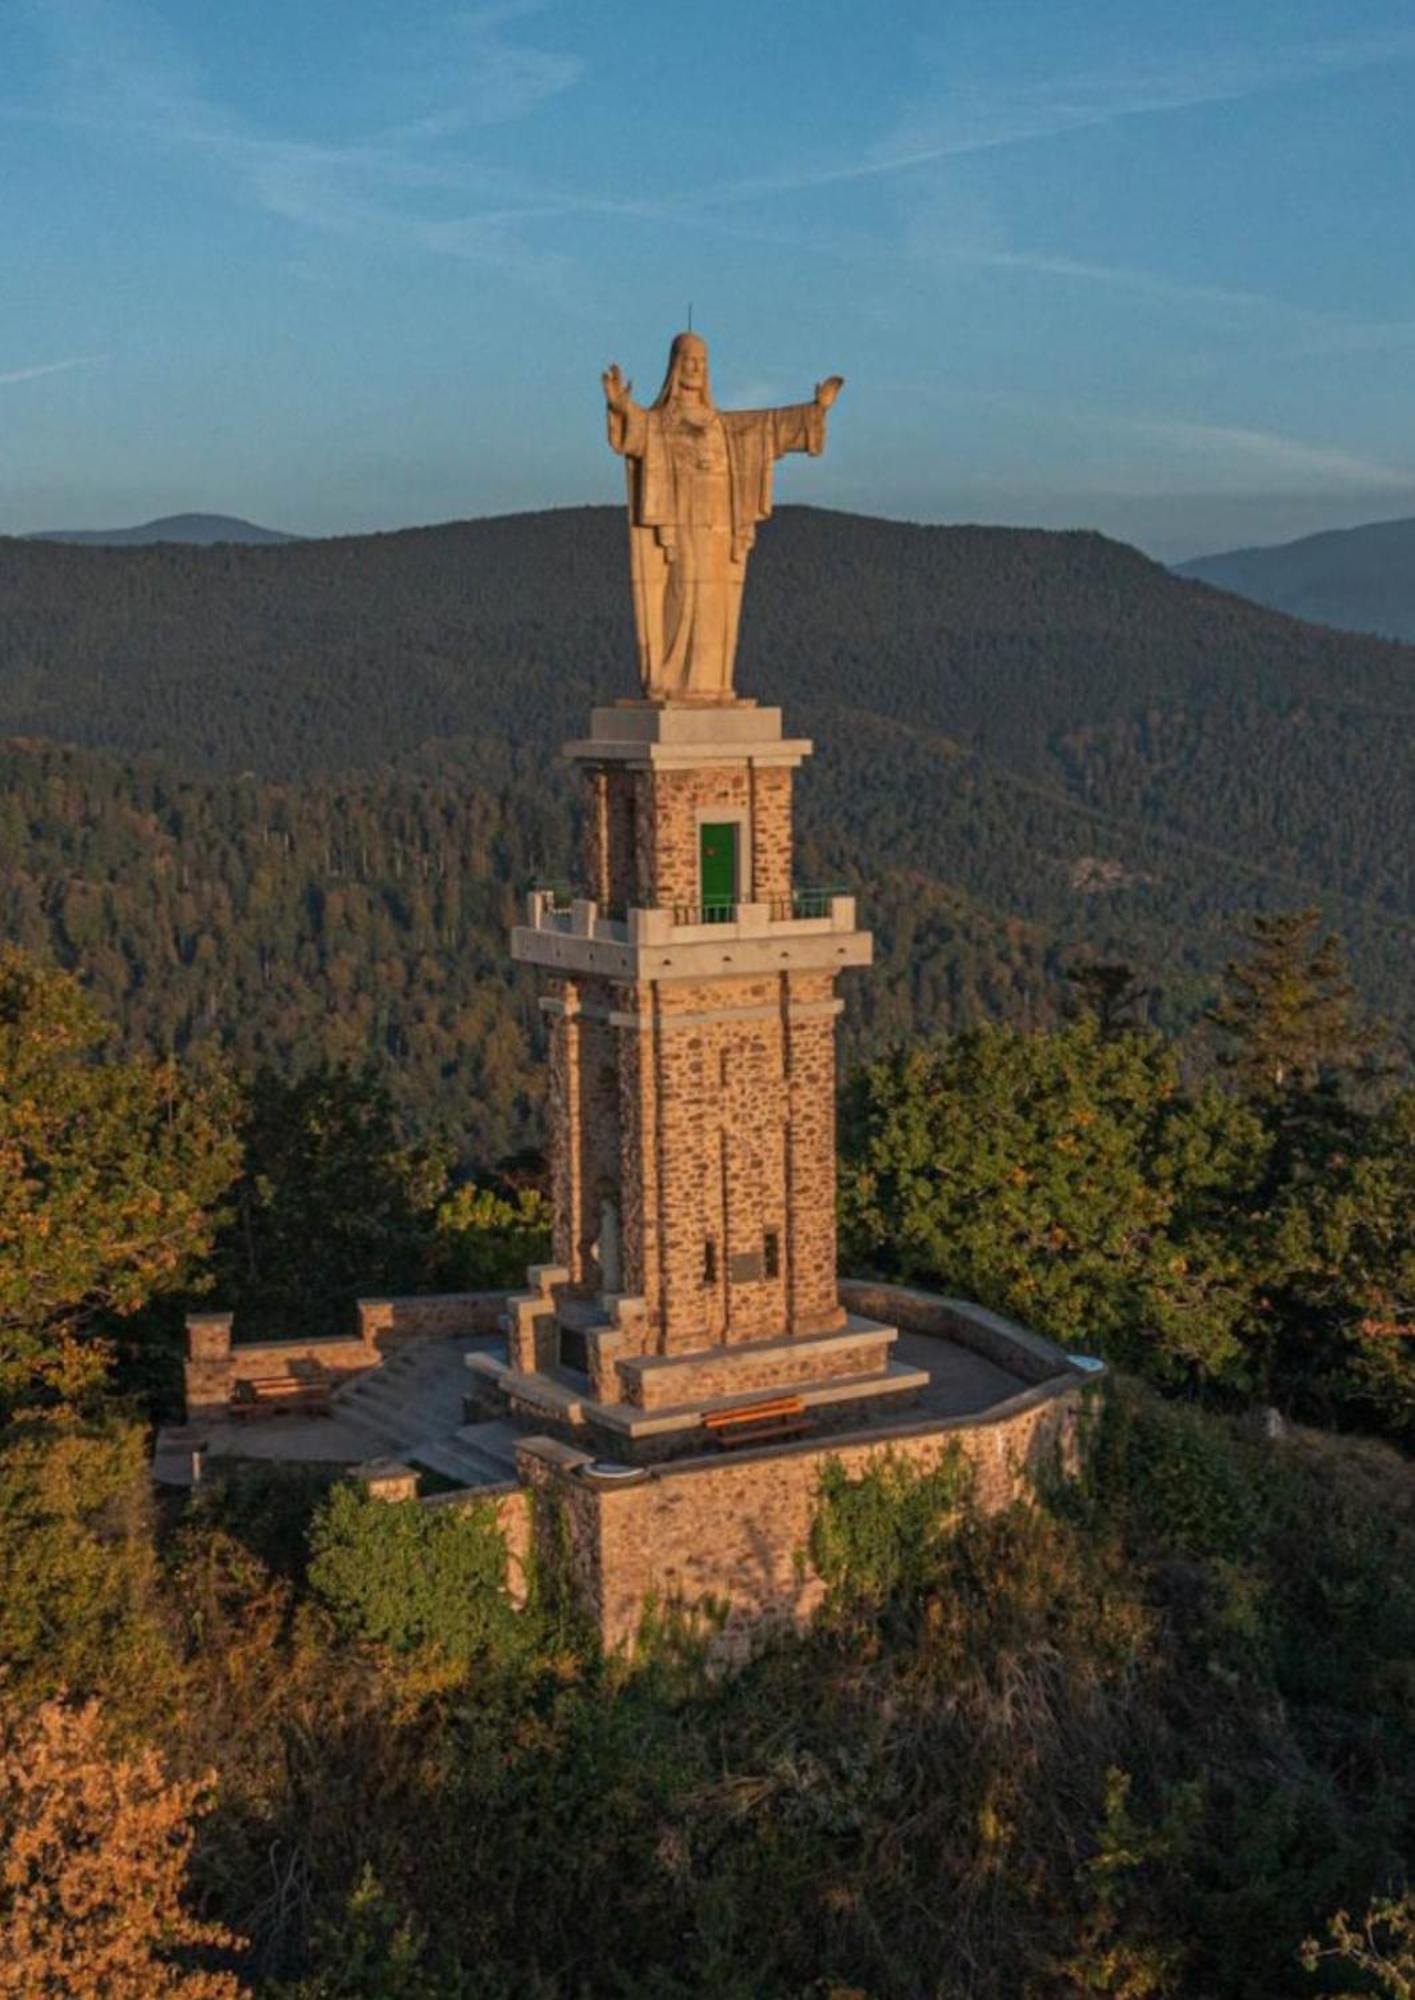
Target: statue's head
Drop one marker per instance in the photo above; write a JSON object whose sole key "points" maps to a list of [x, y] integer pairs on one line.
{"points": [[687, 369]]}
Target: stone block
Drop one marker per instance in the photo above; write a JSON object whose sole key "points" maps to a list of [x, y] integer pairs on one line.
{"points": [[208, 1336], [656, 1382], [387, 1479]]}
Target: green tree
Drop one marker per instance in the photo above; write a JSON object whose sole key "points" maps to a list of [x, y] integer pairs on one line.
{"points": [[486, 1240], [1067, 1178], [110, 1173], [1379, 1947], [80, 1603], [1287, 1015], [94, 1850], [331, 1201], [1342, 1263], [1109, 989]]}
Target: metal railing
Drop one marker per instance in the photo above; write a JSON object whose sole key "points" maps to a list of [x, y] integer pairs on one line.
{"points": [[558, 897], [716, 910], [804, 903], [799, 906]]}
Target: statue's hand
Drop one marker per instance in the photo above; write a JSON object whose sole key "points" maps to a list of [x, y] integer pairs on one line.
{"points": [[827, 391], [616, 390]]}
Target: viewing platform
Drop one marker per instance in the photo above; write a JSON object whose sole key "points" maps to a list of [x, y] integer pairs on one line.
{"points": [[808, 930]]}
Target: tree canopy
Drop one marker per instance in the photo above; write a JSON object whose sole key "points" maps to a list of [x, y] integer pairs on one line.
{"points": [[110, 1173]]}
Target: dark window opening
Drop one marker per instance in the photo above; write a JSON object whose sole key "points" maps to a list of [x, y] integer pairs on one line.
{"points": [[709, 1262], [771, 1255]]}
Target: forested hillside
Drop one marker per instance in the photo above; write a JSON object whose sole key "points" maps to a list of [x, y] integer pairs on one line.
{"points": [[338, 767], [1360, 578], [369, 916]]}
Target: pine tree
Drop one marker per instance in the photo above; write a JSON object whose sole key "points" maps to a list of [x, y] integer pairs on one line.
{"points": [[1288, 1013]]}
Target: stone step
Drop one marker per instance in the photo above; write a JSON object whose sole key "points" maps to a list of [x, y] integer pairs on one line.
{"points": [[386, 1436], [377, 1392], [453, 1461], [409, 1387], [494, 1443]]}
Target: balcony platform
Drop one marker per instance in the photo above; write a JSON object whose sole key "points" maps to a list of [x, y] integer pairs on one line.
{"points": [[753, 938]]}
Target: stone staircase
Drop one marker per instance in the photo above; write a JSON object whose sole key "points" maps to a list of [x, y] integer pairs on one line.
{"points": [[411, 1408]]}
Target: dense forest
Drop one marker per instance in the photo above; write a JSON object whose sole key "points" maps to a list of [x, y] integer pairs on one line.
{"points": [[315, 778]]}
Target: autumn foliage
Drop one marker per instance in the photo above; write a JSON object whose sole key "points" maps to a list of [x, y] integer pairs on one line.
{"points": [[93, 1859]]}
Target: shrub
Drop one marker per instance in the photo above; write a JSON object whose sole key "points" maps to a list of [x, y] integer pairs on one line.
{"points": [[406, 1576]]}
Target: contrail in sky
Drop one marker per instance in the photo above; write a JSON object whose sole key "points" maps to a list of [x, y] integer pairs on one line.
{"points": [[47, 368]]}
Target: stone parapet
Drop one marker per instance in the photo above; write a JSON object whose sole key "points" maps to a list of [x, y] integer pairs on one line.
{"points": [[652, 944], [1016, 1348], [216, 1365], [388, 1323], [664, 1381], [207, 1372]]}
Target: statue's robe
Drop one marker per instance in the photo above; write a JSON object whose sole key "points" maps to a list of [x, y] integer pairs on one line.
{"points": [[693, 514]]}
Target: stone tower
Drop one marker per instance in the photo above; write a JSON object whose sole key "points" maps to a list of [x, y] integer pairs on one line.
{"points": [[692, 1010]]}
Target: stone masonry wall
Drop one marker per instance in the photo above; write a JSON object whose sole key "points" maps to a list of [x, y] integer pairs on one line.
{"points": [[584, 1124], [812, 1296], [725, 1122], [680, 799], [216, 1364], [735, 1529], [611, 840], [759, 1366], [387, 1324], [563, 1121], [638, 1211], [719, 1160], [772, 858]]}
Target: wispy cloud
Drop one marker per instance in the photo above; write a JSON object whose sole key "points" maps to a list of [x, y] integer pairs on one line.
{"points": [[32, 374], [119, 76], [484, 76], [1272, 456], [1306, 328], [415, 185], [1116, 450], [965, 118]]}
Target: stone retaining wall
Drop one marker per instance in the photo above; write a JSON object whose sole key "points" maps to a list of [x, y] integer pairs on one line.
{"points": [[216, 1364], [733, 1530]]}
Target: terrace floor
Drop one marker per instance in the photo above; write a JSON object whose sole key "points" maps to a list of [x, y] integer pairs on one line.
{"points": [[411, 1409]]}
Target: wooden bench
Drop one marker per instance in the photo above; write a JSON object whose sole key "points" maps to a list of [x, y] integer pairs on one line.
{"points": [[265, 1395], [758, 1423]]}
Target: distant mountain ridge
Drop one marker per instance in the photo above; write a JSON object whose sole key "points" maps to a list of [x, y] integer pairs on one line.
{"points": [[1030, 746], [1360, 579], [195, 530]]}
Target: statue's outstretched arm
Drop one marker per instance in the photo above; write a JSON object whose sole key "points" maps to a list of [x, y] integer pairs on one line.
{"points": [[800, 426], [624, 415]]}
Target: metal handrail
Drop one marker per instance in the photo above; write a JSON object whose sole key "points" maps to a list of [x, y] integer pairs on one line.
{"points": [[804, 903], [716, 910]]}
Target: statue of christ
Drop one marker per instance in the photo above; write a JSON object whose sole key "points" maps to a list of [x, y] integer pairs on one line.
{"points": [[699, 482]]}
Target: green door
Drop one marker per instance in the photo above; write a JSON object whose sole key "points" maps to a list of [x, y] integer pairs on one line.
{"points": [[717, 869]]}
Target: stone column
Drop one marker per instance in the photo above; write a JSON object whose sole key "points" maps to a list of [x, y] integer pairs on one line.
{"points": [[813, 1303]]}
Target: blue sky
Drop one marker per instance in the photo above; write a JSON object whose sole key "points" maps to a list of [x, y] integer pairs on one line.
{"points": [[352, 264]]}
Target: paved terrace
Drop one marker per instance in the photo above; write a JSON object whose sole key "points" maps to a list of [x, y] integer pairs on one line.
{"points": [[411, 1408]]}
